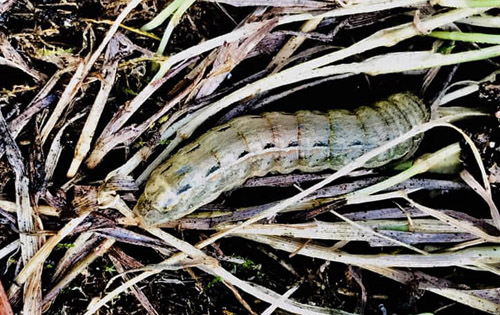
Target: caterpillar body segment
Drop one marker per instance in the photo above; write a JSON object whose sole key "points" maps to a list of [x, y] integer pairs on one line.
{"points": [[308, 141]]}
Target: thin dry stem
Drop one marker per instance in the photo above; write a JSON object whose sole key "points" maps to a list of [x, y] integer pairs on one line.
{"points": [[28, 223], [348, 232], [466, 257], [10, 206], [6, 250], [291, 46], [474, 298], [211, 267], [43, 253], [82, 71], [77, 269], [108, 74], [5, 307]]}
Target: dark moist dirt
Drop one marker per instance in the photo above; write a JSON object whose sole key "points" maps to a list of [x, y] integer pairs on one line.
{"points": [[323, 284]]}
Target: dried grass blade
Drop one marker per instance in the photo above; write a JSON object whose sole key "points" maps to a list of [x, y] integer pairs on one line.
{"points": [[4, 251], [66, 97], [230, 55], [420, 166], [125, 112], [139, 295], [56, 148], [17, 124], [484, 300], [108, 74], [108, 140], [274, 3], [238, 34], [8, 63], [216, 270], [127, 236], [10, 206], [466, 3], [210, 44], [210, 220], [92, 309], [81, 265], [82, 71], [84, 244], [484, 20], [41, 100], [485, 194], [464, 225], [270, 310], [240, 299], [27, 222], [85, 202], [144, 153], [294, 43], [356, 8], [5, 307], [376, 233], [466, 257], [15, 58], [5, 6], [211, 267], [47, 248], [471, 88], [118, 121], [420, 231]]}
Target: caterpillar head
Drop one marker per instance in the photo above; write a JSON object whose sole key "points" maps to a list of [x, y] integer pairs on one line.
{"points": [[158, 202]]}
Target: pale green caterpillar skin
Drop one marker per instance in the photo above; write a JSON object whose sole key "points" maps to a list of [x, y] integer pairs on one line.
{"points": [[309, 141]]}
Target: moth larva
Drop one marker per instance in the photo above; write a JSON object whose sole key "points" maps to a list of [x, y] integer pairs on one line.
{"points": [[249, 146]]}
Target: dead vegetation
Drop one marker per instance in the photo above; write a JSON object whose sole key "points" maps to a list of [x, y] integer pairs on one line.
{"points": [[96, 94]]}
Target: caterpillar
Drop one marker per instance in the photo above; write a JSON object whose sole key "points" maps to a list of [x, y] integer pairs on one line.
{"points": [[275, 142]]}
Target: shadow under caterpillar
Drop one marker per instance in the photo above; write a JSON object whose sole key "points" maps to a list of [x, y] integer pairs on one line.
{"points": [[248, 146]]}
